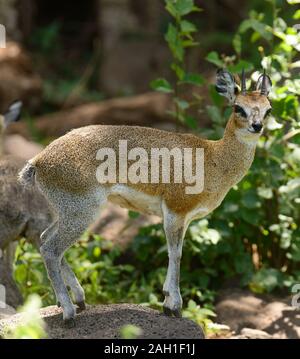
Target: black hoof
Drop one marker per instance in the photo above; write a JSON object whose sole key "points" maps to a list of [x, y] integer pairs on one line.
{"points": [[177, 313], [81, 306], [58, 304], [69, 323], [167, 312]]}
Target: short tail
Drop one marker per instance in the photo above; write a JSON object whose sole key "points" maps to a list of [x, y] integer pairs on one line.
{"points": [[27, 175]]}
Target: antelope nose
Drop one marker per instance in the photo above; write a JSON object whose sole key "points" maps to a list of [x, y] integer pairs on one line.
{"points": [[257, 127]]}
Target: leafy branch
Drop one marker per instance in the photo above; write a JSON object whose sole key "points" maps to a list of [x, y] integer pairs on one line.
{"points": [[180, 37]]}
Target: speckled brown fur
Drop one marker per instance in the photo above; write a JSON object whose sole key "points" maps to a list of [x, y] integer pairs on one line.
{"points": [[70, 162]]}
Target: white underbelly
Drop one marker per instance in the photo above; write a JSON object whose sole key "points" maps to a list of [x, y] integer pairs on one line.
{"points": [[134, 200]]}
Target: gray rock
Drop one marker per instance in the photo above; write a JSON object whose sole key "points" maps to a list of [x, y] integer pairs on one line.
{"points": [[249, 333], [18, 146], [106, 321], [6, 312]]}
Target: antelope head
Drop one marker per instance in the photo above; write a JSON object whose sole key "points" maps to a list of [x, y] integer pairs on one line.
{"points": [[250, 108]]}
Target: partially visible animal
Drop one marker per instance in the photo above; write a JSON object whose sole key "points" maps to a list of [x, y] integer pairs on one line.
{"points": [[24, 212], [65, 172]]}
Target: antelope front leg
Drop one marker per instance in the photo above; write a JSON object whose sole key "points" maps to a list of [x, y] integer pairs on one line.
{"points": [[174, 227]]}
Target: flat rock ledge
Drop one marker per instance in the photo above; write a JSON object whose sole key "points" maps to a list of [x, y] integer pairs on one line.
{"points": [[106, 321]]}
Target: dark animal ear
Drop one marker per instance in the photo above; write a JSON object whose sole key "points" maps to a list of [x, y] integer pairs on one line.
{"points": [[13, 113], [226, 85], [264, 84]]}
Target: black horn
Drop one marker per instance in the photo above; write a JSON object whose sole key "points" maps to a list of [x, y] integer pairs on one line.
{"points": [[243, 85], [263, 90]]}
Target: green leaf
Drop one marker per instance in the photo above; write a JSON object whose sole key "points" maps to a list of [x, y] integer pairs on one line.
{"points": [[250, 199], [196, 9], [172, 35], [192, 304], [290, 186], [130, 331], [161, 85], [182, 104], [255, 37], [244, 26], [241, 262], [179, 71], [296, 16], [133, 214], [237, 44], [191, 122], [174, 41], [263, 29], [207, 312], [97, 252], [266, 193], [215, 114], [213, 57], [265, 280], [250, 216], [217, 99], [171, 8], [193, 79], [180, 8], [187, 27], [184, 7], [242, 64], [189, 43]]}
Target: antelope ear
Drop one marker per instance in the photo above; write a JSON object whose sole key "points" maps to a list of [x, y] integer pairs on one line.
{"points": [[264, 84], [13, 113], [226, 85]]}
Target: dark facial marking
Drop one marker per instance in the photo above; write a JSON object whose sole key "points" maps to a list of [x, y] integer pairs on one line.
{"points": [[267, 113], [240, 111]]}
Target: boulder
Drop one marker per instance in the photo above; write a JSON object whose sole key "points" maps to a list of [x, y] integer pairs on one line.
{"points": [[106, 321], [18, 146], [8, 289], [249, 333], [240, 309], [17, 78], [6, 312]]}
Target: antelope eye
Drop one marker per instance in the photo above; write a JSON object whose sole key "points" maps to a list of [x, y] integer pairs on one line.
{"points": [[240, 111], [268, 112]]}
